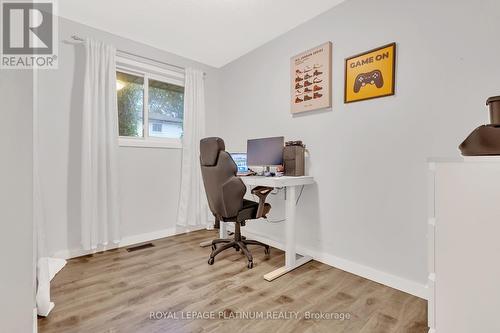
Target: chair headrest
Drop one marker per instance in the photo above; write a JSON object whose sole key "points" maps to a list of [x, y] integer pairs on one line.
{"points": [[209, 150]]}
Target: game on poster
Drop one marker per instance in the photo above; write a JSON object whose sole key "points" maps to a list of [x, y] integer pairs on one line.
{"points": [[370, 74]]}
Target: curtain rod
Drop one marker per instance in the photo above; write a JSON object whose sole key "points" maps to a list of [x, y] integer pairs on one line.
{"points": [[80, 39]]}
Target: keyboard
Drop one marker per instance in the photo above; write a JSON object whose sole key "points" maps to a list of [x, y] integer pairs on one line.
{"points": [[245, 173]]}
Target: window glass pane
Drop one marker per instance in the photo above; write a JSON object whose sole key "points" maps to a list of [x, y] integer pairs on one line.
{"points": [[130, 92], [166, 109]]}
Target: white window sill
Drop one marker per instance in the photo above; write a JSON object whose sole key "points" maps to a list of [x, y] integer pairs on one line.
{"points": [[150, 143]]}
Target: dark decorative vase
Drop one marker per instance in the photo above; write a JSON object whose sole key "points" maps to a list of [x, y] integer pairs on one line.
{"points": [[485, 140]]}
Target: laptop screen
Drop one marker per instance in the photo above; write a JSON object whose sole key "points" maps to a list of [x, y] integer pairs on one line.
{"points": [[241, 161]]}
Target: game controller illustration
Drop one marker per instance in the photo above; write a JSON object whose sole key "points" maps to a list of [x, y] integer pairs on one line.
{"points": [[373, 77]]}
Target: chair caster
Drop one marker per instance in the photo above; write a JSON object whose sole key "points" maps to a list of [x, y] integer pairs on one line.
{"points": [[237, 248], [267, 250], [211, 261], [214, 247], [250, 265]]}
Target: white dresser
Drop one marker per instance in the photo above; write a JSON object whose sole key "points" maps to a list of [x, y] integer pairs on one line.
{"points": [[464, 246]]}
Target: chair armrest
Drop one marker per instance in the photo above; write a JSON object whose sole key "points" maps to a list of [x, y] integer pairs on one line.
{"points": [[262, 192]]}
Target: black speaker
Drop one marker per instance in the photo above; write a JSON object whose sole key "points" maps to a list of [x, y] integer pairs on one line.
{"points": [[294, 159]]}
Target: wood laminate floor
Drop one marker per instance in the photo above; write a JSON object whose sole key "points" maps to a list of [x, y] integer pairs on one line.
{"points": [[116, 291]]}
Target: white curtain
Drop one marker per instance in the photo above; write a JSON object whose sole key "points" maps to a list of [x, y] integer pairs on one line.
{"points": [[99, 197], [192, 210], [46, 268]]}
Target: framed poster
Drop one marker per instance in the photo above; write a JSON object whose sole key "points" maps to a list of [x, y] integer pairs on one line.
{"points": [[370, 74], [311, 77]]}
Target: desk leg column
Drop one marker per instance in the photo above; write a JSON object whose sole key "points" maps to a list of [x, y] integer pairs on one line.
{"points": [[290, 211], [291, 261], [223, 230]]}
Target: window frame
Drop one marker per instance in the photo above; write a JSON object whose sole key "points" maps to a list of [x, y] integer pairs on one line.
{"points": [[148, 71]]}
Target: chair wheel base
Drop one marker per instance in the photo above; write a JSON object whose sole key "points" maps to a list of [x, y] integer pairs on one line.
{"points": [[239, 245]]}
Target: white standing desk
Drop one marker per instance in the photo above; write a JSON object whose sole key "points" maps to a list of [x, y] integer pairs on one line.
{"points": [[291, 184]]}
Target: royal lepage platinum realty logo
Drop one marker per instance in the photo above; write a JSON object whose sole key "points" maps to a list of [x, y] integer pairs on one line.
{"points": [[29, 35]]}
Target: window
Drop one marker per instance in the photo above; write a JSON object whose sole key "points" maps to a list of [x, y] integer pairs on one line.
{"points": [[156, 128], [150, 105], [166, 109], [130, 93]]}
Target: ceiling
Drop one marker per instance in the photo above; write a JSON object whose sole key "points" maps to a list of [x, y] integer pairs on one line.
{"points": [[213, 32]]}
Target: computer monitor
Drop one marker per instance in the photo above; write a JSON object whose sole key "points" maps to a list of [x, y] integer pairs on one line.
{"points": [[265, 151], [241, 161]]}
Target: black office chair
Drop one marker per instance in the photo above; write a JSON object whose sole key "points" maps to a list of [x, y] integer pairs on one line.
{"points": [[225, 192]]}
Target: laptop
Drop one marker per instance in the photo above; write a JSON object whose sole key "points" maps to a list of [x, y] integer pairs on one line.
{"points": [[241, 162]]}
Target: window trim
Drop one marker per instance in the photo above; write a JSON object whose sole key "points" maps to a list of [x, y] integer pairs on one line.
{"points": [[124, 141], [148, 71]]}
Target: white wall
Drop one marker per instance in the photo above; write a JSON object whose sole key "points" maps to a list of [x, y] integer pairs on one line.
{"points": [[16, 202], [149, 177], [368, 158]]}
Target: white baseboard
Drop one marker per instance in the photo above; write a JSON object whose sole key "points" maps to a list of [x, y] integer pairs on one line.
{"points": [[127, 241], [35, 320], [390, 280], [146, 237]]}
